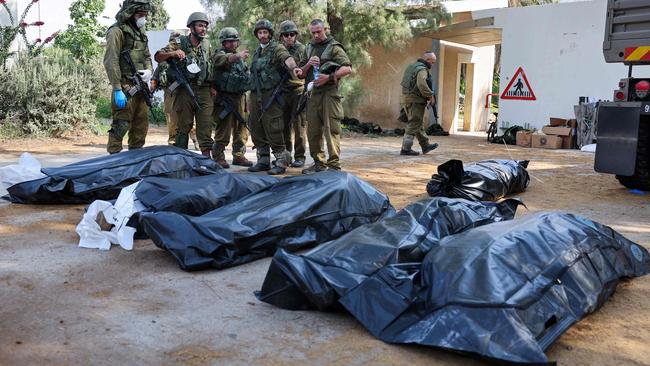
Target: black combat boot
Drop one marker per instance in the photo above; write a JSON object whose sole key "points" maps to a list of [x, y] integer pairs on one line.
{"points": [[407, 146]]}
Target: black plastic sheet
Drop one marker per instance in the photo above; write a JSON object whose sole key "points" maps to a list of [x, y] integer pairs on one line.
{"points": [[104, 177], [297, 212], [199, 195], [318, 278], [487, 180], [504, 291]]}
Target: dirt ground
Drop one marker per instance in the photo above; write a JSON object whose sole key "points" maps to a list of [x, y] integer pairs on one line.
{"points": [[62, 305]]}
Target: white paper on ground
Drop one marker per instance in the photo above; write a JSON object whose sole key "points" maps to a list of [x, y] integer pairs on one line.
{"points": [[91, 234], [589, 148], [28, 168]]}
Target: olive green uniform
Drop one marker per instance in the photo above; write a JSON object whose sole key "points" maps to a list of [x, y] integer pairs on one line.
{"points": [[416, 93], [324, 108], [134, 118], [232, 81], [295, 123], [267, 129], [200, 83]]}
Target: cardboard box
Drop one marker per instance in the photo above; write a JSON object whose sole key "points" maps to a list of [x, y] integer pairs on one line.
{"points": [[565, 132], [524, 138], [557, 122], [546, 141]]}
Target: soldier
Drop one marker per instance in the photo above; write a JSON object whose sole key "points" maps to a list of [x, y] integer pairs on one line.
{"points": [[416, 93], [129, 114], [271, 66], [231, 79], [160, 81], [329, 63], [294, 120], [193, 55]]}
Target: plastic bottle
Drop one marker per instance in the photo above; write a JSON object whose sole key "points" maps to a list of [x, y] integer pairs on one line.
{"points": [[316, 71]]}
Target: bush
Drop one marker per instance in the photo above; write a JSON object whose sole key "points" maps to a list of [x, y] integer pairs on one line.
{"points": [[157, 113], [49, 95], [104, 108]]}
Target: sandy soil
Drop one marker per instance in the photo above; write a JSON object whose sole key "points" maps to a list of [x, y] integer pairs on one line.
{"points": [[64, 305]]}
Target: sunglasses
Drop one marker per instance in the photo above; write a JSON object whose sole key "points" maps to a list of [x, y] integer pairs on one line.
{"points": [[287, 35]]}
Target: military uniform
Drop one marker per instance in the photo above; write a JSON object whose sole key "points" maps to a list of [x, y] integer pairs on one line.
{"points": [[295, 124], [324, 108], [416, 93], [231, 80], [200, 83], [267, 129], [134, 117]]}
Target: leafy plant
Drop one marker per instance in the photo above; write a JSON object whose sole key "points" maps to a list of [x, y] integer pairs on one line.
{"points": [[81, 39], [50, 95], [9, 33]]}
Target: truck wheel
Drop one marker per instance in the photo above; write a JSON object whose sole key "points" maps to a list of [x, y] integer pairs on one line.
{"points": [[641, 178]]}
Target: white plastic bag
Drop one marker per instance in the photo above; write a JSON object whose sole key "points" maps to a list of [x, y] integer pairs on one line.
{"points": [[91, 234], [28, 168]]}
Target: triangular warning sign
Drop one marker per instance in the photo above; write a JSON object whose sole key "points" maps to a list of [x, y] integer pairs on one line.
{"points": [[519, 87]]}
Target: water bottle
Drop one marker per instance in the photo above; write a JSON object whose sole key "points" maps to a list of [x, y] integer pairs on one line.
{"points": [[316, 71]]}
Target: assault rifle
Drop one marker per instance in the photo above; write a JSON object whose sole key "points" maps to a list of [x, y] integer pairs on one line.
{"points": [[139, 86], [180, 80], [228, 108]]}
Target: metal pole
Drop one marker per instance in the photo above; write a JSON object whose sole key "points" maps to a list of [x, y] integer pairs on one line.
{"points": [[629, 72]]}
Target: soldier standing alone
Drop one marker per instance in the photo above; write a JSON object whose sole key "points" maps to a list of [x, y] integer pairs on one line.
{"points": [[416, 93], [192, 55], [231, 79], [129, 114]]}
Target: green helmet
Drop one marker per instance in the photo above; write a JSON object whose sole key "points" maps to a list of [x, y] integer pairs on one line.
{"points": [[130, 7], [263, 24], [288, 26], [197, 17], [228, 34]]}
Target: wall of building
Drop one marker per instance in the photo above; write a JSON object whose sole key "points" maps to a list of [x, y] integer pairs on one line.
{"points": [[382, 80], [559, 47]]}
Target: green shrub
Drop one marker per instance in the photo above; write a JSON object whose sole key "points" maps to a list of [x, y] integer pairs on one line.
{"points": [[104, 108], [49, 95], [157, 113]]}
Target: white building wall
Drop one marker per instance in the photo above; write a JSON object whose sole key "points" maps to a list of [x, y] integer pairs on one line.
{"points": [[559, 47]]}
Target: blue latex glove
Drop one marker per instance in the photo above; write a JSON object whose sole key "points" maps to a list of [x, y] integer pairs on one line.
{"points": [[120, 99]]}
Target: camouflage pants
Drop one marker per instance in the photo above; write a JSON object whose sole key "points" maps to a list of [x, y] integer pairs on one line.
{"points": [[132, 119], [415, 126], [267, 130], [229, 126], [295, 127], [324, 115], [185, 115]]}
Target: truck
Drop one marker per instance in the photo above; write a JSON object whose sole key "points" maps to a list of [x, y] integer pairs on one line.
{"points": [[623, 137]]}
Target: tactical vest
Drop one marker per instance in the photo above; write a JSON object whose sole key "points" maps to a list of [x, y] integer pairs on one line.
{"points": [[327, 64], [137, 43], [409, 81], [233, 79], [198, 54], [265, 75]]}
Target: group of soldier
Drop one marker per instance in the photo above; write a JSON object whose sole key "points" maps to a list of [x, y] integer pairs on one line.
{"points": [[292, 89]]}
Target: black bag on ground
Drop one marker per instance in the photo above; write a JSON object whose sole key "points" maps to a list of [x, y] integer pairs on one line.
{"points": [[509, 136], [504, 291], [104, 177], [195, 196], [487, 180], [199, 195], [318, 278], [298, 212]]}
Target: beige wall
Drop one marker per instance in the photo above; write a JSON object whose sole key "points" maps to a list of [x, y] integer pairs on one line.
{"points": [[382, 82]]}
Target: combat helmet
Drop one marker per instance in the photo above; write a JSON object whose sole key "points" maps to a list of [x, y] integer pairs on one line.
{"points": [[288, 26], [263, 24], [197, 17], [228, 34]]}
